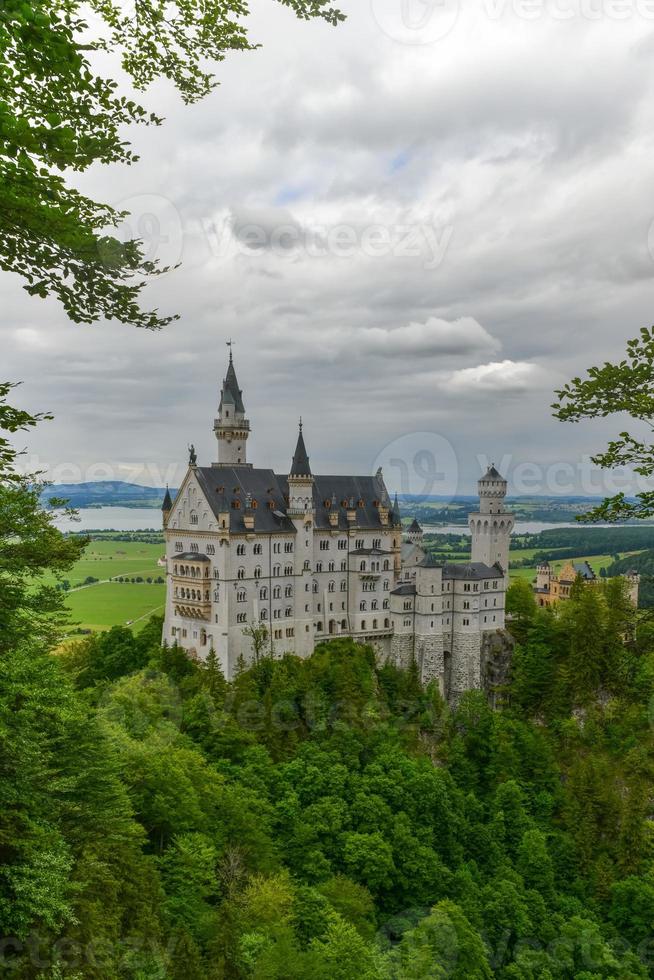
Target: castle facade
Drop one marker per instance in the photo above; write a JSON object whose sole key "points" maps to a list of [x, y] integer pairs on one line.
{"points": [[263, 562]]}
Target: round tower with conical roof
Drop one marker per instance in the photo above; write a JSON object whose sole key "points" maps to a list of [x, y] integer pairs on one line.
{"points": [[492, 524]]}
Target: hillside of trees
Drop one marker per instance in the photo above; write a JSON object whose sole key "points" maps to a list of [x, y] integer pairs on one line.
{"points": [[330, 818]]}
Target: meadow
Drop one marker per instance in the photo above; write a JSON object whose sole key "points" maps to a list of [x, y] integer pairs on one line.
{"points": [[106, 603]]}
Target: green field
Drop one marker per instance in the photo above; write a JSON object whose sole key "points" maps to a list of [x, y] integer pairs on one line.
{"points": [[99, 607], [105, 604]]}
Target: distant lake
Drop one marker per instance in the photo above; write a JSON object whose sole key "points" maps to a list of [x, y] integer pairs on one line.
{"points": [[114, 518], [522, 527], [146, 518]]}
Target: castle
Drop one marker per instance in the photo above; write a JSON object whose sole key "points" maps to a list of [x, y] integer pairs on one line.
{"points": [[550, 587], [254, 557]]}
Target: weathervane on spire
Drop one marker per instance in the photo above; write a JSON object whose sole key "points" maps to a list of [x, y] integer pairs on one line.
{"points": [[230, 343], [300, 423]]}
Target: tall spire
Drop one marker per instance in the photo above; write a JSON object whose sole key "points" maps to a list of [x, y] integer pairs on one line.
{"points": [[300, 465], [395, 513], [231, 427]]}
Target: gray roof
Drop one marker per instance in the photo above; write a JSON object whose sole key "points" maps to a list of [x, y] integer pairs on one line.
{"points": [[231, 391], [492, 474], [167, 502], [370, 551], [396, 517], [300, 465], [415, 527], [406, 589], [475, 570], [223, 485], [584, 569], [191, 556]]}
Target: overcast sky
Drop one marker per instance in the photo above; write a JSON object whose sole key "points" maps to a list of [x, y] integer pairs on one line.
{"points": [[414, 226]]}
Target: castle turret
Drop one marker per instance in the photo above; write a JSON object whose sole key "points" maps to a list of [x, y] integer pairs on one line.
{"points": [[414, 534], [166, 508], [492, 524], [231, 427], [632, 578], [543, 576], [301, 512]]}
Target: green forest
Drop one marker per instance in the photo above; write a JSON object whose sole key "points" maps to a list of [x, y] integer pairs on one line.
{"points": [[331, 818]]}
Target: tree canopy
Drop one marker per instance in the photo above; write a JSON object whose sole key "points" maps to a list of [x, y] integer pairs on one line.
{"points": [[59, 115], [623, 388]]}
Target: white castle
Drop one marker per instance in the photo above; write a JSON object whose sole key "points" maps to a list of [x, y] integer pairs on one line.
{"points": [[310, 557]]}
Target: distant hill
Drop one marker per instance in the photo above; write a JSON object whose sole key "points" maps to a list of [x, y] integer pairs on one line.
{"points": [[107, 493]]}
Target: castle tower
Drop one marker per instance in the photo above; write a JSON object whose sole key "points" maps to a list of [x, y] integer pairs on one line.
{"points": [[633, 585], [231, 427], [301, 512], [414, 534], [543, 576], [492, 524]]}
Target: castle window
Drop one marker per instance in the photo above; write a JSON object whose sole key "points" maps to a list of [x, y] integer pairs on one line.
{"points": [[362, 605], [376, 543], [315, 587], [240, 549], [407, 604], [373, 604], [319, 566], [216, 573], [257, 550], [264, 614], [288, 591], [236, 504], [241, 618], [343, 586], [277, 547], [240, 573], [288, 612], [358, 543], [330, 566], [288, 547], [374, 624], [263, 593], [241, 595], [363, 624], [343, 566], [324, 545], [386, 565], [466, 587], [195, 547], [257, 571], [466, 605], [342, 544], [385, 604], [277, 570], [288, 569], [179, 546], [211, 549], [386, 624], [194, 517], [466, 622], [277, 592], [362, 566], [331, 586], [307, 564]]}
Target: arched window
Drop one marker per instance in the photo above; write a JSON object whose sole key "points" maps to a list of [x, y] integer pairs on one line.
{"points": [[386, 565], [257, 549], [362, 566], [362, 605], [240, 573], [277, 592], [331, 586], [194, 517], [257, 571], [264, 614], [240, 549], [277, 570]]}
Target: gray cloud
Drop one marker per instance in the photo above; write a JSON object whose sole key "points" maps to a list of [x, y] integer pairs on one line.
{"points": [[517, 155]]}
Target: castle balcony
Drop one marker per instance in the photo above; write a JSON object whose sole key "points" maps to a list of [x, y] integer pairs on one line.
{"points": [[192, 599]]}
